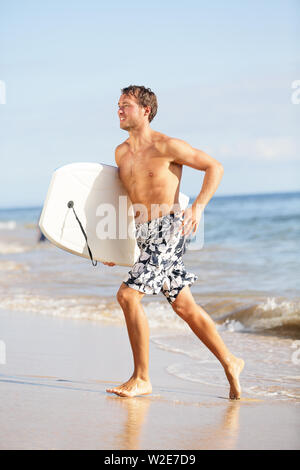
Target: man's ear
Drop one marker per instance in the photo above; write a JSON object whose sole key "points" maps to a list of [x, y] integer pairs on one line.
{"points": [[147, 110]]}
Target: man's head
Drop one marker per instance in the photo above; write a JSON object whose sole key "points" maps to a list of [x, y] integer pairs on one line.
{"points": [[137, 103]]}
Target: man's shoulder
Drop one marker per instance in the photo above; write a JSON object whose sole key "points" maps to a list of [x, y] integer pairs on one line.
{"points": [[122, 146], [159, 137], [165, 144], [120, 150]]}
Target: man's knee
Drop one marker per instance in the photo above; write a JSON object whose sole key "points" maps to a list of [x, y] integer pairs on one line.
{"points": [[126, 295]]}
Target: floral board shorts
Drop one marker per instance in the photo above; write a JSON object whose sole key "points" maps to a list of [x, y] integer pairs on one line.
{"points": [[159, 267]]}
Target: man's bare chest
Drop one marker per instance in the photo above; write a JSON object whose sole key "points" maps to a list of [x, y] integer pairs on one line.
{"points": [[142, 167]]}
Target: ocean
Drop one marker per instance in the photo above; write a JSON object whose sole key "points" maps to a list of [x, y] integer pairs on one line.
{"points": [[248, 281]]}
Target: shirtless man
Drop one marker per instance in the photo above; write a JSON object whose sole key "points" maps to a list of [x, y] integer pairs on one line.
{"points": [[150, 167]]}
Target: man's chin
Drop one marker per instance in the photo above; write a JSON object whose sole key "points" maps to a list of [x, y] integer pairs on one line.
{"points": [[124, 127]]}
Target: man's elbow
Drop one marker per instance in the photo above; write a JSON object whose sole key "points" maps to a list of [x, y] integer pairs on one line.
{"points": [[217, 166], [220, 168], [218, 171]]}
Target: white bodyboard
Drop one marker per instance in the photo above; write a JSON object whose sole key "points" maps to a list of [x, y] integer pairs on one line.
{"points": [[92, 187]]}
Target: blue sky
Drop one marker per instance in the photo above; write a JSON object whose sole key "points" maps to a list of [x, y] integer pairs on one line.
{"points": [[222, 72]]}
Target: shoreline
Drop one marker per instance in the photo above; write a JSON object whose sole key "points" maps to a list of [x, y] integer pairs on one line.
{"points": [[53, 396]]}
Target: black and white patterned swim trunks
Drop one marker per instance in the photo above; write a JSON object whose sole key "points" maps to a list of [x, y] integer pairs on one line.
{"points": [[159, 267]]}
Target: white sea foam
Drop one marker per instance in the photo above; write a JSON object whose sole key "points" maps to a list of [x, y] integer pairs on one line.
{"points": [[232, 325], [269, 371], [87, 307], [67, 307], [255, 383]]}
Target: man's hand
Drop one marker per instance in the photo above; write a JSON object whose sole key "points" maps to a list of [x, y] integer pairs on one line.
{"points": [[108, 264], [191, 219]]}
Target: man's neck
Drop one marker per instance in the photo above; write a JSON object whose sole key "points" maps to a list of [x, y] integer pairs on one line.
{"points": [[139, 137]]}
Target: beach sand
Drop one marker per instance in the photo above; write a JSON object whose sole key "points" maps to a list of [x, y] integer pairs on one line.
{"points": [[53, 396]]}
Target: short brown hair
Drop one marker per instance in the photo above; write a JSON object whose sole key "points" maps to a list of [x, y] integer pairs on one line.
{"points": [[144, 96]]}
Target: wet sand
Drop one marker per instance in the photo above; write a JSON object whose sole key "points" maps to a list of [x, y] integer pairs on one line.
{"points": [[53, 396]]}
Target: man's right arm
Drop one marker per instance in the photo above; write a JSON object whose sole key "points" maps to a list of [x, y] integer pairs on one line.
{"points": [[117, 159]]}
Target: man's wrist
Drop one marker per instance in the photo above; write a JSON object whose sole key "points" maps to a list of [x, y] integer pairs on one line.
{"points": [[199, 205]]}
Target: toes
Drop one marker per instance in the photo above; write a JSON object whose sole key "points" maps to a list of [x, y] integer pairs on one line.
{"points": [[124, 394], [112, 390], [117, 391], [129, 390]]}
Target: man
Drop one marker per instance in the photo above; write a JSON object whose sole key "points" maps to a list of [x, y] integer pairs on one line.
{"points": [[150, 167]]}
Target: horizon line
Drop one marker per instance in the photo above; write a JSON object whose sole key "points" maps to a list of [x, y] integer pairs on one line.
{"points": [[35, 206]]}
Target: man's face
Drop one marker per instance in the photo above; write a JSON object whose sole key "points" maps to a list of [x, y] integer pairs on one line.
{"points": [[130, 113]]}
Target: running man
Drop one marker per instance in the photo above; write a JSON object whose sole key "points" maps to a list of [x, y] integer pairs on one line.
{"points": [[150, 167]]}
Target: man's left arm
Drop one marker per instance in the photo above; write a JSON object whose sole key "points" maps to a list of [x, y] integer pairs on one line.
{"points": [[184, 154]]}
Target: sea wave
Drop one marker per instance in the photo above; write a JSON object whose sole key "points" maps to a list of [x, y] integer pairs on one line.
{"points": [[273, 316], [277, 315], [85, 308], [88, 308]]}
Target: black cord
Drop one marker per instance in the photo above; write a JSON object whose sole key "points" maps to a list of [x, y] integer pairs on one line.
{"points": [[71, 206]]}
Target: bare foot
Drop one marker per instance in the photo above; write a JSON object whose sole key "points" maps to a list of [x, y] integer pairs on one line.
{"points": [[232, 372], [132, 388]]}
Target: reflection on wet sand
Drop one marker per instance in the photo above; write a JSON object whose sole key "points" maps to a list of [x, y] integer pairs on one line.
{"points": [[221, 435], [137, 410]]}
